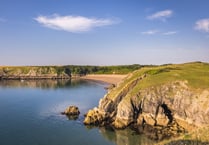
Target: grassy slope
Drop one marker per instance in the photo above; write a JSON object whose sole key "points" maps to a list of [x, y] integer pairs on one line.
{"points": [[69, 69], [196, 74], [16, 70]]}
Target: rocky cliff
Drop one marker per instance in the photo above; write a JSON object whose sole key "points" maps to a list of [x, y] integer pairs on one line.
{"points": [[34, 72], [169, 99]]}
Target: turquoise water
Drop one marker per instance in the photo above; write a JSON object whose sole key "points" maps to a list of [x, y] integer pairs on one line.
{"points": [[30, 114]]}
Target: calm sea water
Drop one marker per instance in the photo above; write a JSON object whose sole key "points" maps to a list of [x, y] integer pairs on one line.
{"points": [[30, 114]]}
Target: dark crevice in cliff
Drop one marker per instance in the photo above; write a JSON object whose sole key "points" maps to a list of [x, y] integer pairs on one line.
{"points": [[136, 109], [167, 112]]}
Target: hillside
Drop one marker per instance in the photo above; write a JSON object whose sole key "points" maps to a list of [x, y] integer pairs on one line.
{"points": [[33, 72], [161, 102], [61, 72]]}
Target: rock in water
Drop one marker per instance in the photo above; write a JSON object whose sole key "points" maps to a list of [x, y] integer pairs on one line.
{"points": [[95, 117], [71, 110]]}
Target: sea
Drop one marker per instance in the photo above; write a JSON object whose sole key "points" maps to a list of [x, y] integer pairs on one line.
{"points": [[30, 114]]}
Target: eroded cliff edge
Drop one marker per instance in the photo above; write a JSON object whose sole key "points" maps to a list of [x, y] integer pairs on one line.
{"points": [[34, 72], [167, 100]]}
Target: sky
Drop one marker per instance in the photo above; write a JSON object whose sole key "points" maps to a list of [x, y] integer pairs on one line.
{"points": [[103, 32]]}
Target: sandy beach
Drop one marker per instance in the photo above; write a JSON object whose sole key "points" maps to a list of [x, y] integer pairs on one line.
{"points": [[111, 79]]}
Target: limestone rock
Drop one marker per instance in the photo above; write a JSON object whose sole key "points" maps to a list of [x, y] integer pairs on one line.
{"points": [[111, 86], [146, 118], [96, 117], [162, 110], [162, 120], [71, 110], [124, 115]]}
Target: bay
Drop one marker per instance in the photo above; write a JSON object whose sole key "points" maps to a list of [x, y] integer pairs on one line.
{"points": [[30, 114]]}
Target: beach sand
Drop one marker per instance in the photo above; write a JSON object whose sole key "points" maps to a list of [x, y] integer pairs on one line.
{"points": [[111, 79]]}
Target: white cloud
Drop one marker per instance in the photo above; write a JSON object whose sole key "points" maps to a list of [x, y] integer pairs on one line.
{"points": [[161, 15], [155, 31], [150, 32], [170, 33], [73, 23], [202, 25]]}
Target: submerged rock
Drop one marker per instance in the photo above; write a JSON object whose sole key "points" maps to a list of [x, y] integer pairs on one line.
{"points": [[72, 117], [71, 110]]}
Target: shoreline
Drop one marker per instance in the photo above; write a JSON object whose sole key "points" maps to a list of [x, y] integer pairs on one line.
{"points": [[106, 78]]}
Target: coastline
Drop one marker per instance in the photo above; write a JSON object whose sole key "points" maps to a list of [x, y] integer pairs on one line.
{"points": [[106, 78]]}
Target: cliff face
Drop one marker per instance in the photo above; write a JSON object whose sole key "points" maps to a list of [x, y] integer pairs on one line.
{"points": [[162, 105], [33, 72], [175, 97]]}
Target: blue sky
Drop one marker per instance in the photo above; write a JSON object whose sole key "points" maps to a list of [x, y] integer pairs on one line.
{"points": [[103, 32]]}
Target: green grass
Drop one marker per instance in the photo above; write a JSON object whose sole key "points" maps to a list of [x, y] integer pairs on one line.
{"points": [[24, 70], [196, 74], [68, 69]]}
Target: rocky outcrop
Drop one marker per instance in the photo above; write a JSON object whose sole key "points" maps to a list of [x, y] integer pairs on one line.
{"points": [[111, 86], [165, 110], [33, 73], [108, 108], [96, 117], [72, 112]]}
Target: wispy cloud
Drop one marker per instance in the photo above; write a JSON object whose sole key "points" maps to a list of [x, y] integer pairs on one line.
{"points": [[202, 25], [161, 15], [150, 32], [155, 31], [170, 33], [73, 24]]}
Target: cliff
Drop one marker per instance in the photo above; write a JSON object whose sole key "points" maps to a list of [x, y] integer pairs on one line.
{"points": [[61, 72], [160, 102], [34, 72]]}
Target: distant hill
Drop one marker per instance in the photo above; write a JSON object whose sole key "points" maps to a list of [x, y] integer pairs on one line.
{"points": [[61, 72]]}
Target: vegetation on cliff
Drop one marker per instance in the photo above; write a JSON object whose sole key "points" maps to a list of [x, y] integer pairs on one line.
{"points": [[34, 72], [167, 101]]}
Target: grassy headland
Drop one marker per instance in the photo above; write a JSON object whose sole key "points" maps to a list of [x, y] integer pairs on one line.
{"points": [[173, 99], [68, 71]]}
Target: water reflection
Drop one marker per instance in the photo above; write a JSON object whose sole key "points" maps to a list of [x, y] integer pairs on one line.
{"points": [[43, 84], [125, 137], [39, 110]]}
